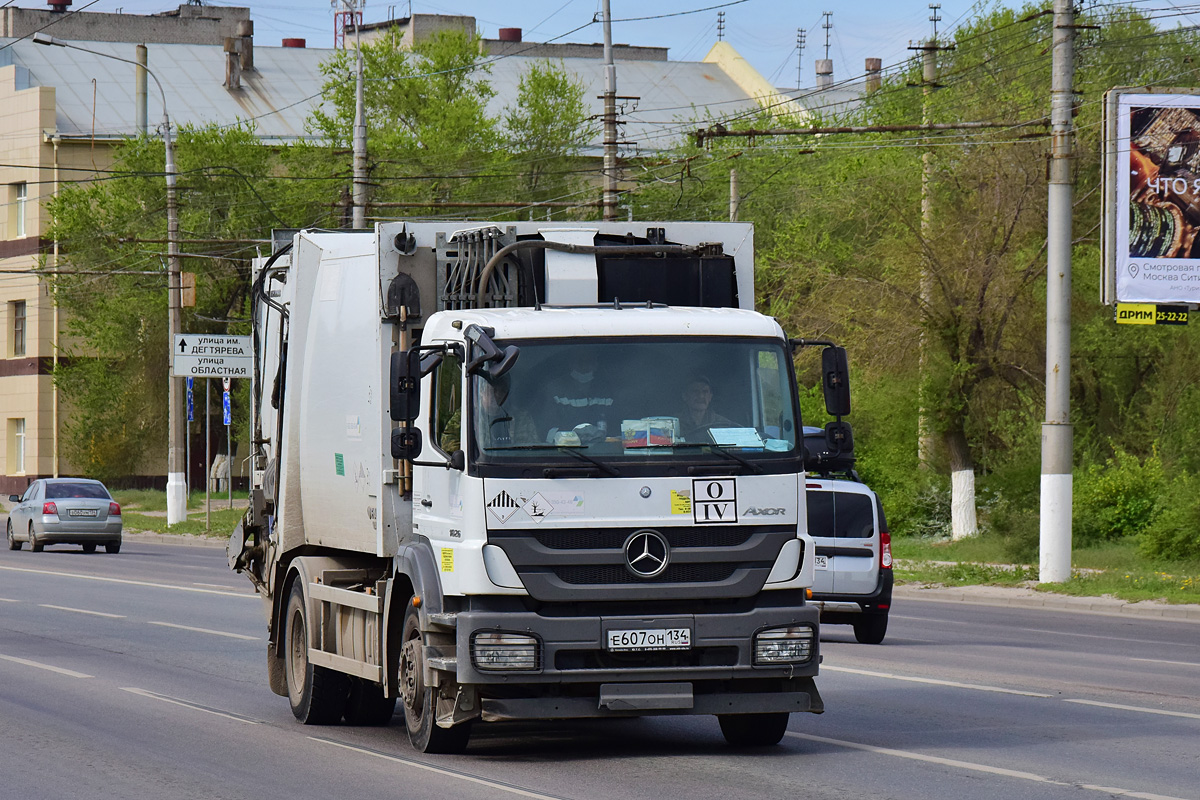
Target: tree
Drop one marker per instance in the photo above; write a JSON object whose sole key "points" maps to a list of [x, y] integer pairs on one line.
{"points": [[111, 282]]}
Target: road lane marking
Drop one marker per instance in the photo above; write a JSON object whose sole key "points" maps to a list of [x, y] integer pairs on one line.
{"points": [[8, 600], [187, 704], [127, 582], [224, 586], [204, 630], [1120, 707], [82, 611], [449, 773], [1163, 661], [1110, 638], [70, 673], [933, 681], [974, 767]]}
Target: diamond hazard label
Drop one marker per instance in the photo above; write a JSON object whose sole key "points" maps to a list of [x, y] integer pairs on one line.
{"points": [[503, 506]]}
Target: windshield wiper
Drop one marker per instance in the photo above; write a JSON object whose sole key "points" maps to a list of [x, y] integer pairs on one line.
{"points": [[716, 448], [608, 469]]}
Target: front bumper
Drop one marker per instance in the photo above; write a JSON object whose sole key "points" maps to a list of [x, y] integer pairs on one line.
{"points": [[577, 677]]}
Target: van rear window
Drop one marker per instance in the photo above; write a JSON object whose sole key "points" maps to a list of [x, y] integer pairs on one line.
{"points": [[62, 490], [843, 515]]}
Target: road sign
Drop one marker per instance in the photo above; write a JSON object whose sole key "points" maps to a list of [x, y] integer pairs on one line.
{"points": [[190, 404], [225, 383], [211, 356], [227, 410]]}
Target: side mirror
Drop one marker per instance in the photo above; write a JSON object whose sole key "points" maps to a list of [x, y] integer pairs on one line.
{"points": [[839, 438], [406, 443], [14, 498], [404, 384], [835, 372]]}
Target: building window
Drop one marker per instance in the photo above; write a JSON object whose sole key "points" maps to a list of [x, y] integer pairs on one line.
{"points": [[20, 198], [16, 447], [16, 312]]}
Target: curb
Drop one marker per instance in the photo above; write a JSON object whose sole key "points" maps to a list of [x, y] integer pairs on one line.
{"points": [[1023, 598], [189, 539]]}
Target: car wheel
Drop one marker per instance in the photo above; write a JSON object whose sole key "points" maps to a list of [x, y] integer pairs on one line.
{"points": [[318, 695], [110, 547], [871, 628], [90, 547], [753, 730], [13, 544], [420, 700], [34, 544]]}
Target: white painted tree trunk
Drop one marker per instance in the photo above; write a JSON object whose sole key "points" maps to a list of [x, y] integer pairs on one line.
{"points": [[962, 504]]}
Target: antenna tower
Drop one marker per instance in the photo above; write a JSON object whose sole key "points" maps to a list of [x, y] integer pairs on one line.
{"points": [[827, 25], [347, 16], [720, 25]]}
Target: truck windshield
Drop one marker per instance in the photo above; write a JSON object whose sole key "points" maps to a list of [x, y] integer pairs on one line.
{"points": [[630, 401]]}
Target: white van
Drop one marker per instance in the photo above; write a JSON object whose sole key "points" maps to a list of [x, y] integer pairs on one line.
{"points": [[853, 579]]}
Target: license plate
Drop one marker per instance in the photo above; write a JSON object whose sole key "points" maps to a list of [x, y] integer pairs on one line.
{"points": [[652, 639], [82, 512], [821, 562]]}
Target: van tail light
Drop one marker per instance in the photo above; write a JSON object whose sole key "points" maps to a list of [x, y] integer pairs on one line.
{"points": [[885, 550], [114, 509], [50, 508]]}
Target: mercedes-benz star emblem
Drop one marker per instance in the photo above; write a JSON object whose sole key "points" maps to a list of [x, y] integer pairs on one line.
{"points": [[647, 553]]}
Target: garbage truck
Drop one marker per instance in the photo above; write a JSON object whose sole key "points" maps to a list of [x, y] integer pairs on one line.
{"points": [[530, 471]]}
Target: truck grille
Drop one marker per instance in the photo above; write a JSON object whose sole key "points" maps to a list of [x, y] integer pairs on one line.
{"points": [[580, 564]]}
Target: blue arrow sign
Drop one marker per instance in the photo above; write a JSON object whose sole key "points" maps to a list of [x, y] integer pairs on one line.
{"points": [[227, 408]]}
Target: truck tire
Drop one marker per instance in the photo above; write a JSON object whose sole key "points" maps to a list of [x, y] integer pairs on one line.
{"points": [[420, 701], [13, 544], [318, 695], [366, 704], [753, 730], [871, 628]]}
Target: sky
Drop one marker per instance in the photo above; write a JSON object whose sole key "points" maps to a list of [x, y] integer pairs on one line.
{"points": [[763, 31]]}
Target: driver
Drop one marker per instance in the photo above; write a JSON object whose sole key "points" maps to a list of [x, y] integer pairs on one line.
{"points": [[698, 415]]}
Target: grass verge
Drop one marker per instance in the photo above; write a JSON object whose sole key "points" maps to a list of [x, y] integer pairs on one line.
{"points": [[1115, 569], [223, 523]]}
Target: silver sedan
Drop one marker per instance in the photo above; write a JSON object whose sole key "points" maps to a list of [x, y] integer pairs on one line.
{"points": [[65, 511]]}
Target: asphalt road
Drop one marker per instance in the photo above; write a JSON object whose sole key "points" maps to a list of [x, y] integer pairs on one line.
{"points": [[141, 675]]}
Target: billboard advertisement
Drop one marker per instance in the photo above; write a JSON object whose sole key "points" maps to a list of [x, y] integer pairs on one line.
{"points": [[1152, 174]]}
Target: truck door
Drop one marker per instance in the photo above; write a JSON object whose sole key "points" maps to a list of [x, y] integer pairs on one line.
{"points": [[437, 505]]}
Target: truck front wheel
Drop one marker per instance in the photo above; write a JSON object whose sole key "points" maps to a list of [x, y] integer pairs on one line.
{"points": [[753, 730], [420, 701], [318, 695]]}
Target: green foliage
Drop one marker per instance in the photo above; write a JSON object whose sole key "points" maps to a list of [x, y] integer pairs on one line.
{"points": [[1173, 532], [1117, 499]]}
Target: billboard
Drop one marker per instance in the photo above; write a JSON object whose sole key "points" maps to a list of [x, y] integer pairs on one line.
{"points": [[1152, 197]]}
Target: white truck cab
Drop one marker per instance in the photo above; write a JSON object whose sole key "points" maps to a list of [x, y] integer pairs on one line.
{"points": [[500, 479]]}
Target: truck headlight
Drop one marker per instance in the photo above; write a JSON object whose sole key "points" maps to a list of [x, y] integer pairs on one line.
{"points": [[783, 645], [505, 651]]}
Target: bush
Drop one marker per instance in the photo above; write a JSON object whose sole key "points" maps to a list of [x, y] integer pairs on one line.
{"points": [[928, 515], [1119, 499], [1174, 533]]}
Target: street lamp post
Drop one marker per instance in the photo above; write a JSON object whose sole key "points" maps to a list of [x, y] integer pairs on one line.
{"points": [[176, 468]]}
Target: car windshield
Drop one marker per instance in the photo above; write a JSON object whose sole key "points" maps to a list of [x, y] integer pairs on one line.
{"points": [[86, 490], [633, 400]]}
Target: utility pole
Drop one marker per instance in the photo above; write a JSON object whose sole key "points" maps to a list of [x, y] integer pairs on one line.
{"points": [[800, 36], [1055, 533], [720, 25], [827, 25], [359, 214], [929, 83], [735, 200], [610, 121]]}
